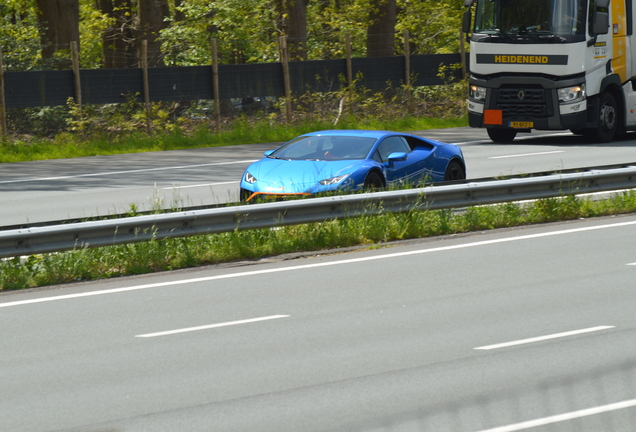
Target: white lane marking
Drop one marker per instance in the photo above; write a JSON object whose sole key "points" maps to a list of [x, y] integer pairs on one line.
{"points": [[205, 327], [543, 338], [526, 154], [563, 417], [634, 264], [123, 172], [317, 265], [200, 185]]}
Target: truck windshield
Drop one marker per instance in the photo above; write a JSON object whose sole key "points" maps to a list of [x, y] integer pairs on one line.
{"points": [[511, 21]]}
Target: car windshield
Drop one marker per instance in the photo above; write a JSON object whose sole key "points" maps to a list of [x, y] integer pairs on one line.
{"points": [[518, 21], [325, 148]]}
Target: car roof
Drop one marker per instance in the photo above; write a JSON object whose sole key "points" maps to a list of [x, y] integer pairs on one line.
{"points": [[377, 134]]}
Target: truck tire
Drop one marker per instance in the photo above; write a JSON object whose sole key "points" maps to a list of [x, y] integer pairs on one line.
{"points": [[502, 135], [607, 119]]}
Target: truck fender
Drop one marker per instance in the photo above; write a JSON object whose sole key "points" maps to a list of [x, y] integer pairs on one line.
{"points": [[611, 84]]}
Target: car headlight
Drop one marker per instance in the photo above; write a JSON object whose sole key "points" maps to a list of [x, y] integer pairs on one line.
{"points": [[571, 94], [477, 93], [333, 180], [250, 178]]}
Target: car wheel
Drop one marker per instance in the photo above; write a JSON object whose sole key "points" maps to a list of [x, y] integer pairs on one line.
{"points": [[608, 119], [454, 171], [502, 135], [374, 180]]}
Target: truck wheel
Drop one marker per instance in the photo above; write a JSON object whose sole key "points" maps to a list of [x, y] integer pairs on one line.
{"points": [[608, 119], [502, 135]]}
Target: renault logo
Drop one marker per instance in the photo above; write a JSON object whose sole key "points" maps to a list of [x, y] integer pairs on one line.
{"points": [[521, 94]]}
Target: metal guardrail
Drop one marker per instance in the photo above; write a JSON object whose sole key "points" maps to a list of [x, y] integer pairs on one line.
{"points": [[28, 241]]}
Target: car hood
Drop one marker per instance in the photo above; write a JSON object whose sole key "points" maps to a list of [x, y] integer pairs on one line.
{"points": [[297, 175]]}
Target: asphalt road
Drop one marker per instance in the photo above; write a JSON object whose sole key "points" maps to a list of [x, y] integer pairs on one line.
{"points": [[527, 328], [96, 186]]}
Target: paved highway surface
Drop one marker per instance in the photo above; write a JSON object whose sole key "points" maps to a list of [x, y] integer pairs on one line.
{"points": [[527, 328], [95, 186]]}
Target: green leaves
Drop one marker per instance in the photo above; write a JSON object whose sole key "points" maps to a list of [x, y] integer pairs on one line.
{"points": [[247, 31]]}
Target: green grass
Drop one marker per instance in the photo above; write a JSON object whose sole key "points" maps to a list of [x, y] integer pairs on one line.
{"points": [[369, 231], [243, 131]]}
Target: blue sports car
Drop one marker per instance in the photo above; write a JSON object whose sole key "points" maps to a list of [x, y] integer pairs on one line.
{"points": [[351, 160]]}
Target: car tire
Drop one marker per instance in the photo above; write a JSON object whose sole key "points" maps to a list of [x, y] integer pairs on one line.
{"points": [[454, 171], [504, 136], [374, 180]]}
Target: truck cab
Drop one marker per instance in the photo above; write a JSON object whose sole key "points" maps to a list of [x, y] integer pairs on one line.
{"points": [[551, 65]]}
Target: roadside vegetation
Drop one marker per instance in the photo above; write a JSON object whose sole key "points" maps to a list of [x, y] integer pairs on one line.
{"points": [[368, 231], [65, 132]]}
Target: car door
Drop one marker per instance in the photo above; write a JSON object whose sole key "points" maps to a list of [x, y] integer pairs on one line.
{"points": [[398, 170]]}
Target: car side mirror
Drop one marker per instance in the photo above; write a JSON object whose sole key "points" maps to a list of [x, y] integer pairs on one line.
{"points": [[397, 156], [269, 152]]}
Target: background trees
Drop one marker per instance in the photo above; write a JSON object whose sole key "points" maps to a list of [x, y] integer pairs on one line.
{"points": [[59, 25], [36, 33]]}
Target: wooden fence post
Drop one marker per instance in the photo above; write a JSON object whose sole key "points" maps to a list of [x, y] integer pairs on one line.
{"points": [[3, 107], [349, 69], [286, 79], [144, 67], [215, 85], [76, 76], [407, 65]]}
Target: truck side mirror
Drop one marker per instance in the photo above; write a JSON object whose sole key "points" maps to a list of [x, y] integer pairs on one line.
{"points": [[600, 25], [466, 22]]}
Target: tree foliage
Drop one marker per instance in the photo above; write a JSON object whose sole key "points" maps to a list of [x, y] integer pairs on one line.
{"points": [[247, 31]]}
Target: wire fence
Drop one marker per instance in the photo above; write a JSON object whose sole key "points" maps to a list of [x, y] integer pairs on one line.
{"points": [[239, 84]]}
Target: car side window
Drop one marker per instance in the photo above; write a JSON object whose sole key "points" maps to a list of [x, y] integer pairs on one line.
{"points": [[390, 145]]}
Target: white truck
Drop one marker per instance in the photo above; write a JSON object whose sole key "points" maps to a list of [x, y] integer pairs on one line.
{"points": [[551, 65]]}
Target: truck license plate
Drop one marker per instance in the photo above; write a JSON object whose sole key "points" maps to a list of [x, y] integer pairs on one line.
{"points": [[524, 125]]}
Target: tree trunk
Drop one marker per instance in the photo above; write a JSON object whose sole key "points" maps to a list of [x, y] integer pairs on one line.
{"points": [[60, 23], [119, 51], [178, 15], [294, 26], [381, 28], [151, 16]]}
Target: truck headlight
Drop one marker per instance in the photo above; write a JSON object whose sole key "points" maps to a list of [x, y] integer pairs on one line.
{"points": [[477, 93], [573, 94]]}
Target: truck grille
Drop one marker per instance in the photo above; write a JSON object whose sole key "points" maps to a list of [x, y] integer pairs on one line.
{"points": [[523, 102], [519, 110]]}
